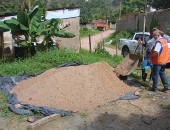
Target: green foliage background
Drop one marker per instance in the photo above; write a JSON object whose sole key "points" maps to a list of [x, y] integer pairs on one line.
{"points": [[91, 9]]}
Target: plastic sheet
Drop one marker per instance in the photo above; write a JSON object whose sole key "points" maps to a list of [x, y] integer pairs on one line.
{"points": [[128, 96], [70, 64], [8, 83]]}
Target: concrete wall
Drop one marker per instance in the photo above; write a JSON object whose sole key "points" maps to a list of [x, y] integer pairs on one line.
{"points": [[75, 29], [6, 40], [131, 22]]}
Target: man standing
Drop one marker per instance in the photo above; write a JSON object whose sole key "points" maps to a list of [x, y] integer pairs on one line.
{"points": [[159, 57], [148, 44]]}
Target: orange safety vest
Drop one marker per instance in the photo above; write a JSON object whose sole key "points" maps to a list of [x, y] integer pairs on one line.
{"points": [[164, 56], [169, 51]]}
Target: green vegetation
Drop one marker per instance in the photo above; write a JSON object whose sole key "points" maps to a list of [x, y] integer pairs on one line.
{"points": [[84, 32], [43, 61], [117, 35], [159, 4], [4, 111], [91, 9]]}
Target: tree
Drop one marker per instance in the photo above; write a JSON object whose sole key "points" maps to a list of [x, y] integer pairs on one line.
{"points": [[159, 4], [9, 6], [89, 10]]}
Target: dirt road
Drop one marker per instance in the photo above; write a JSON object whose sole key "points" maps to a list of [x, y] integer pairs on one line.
{"points": [[96, 39]]}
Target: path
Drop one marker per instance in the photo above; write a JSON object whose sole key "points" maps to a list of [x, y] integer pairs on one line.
{"points": [[96, 39]]}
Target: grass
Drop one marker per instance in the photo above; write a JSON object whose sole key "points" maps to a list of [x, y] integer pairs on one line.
{"points": [[84, 32], [43, 61], [137, 75], [116, 36], [110, 46], [4, 111]]}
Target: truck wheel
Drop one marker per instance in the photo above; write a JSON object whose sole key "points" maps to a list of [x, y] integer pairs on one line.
{"points": [[125, 51]]}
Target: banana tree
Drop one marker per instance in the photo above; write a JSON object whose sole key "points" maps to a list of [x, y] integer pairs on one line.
{"points": [[33, 25]]}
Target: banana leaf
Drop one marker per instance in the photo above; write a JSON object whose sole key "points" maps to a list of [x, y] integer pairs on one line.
{"points": [[4, 27], [23, 18], [12, 23], [62, 33]]}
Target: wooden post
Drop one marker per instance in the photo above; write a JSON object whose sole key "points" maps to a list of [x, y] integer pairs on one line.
{"points": [[2, 36], [89, 43], [116, 48], [144, 22], [42, 121], [120, 9], [1, 42], [80, 42], [103, 43], [13, 48]]}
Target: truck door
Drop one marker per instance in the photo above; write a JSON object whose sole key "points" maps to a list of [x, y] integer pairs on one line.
{"points": [[134, 43]]}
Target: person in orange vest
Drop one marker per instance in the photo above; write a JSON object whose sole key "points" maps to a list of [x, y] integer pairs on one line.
{"points": [[159, 57]]}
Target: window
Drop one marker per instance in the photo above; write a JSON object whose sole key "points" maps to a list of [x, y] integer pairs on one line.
{"points": [[137, 36]]}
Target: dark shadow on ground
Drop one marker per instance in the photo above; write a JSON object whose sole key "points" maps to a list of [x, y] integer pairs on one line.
{"points": [[130, 81], [109, 121]]}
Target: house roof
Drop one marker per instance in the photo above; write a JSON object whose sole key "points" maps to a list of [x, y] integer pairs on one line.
{"points": [[54, 13], [63, 13]]}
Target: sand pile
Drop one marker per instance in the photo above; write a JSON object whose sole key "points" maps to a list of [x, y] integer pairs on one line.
{"points": [[72, 88]]}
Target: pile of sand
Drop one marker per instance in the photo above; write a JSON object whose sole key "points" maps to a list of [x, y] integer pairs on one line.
{"points": [[72, 88]]}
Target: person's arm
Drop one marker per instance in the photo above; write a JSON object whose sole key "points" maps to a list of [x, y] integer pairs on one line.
{"points": [[141, 42], [157, 50]]}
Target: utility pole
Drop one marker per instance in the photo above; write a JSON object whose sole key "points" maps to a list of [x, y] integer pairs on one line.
{"points": [[120, 9], [144, 24]]}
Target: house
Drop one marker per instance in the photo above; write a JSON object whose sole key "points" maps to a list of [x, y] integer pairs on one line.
{"points": [[6, 41], [68, 16]]}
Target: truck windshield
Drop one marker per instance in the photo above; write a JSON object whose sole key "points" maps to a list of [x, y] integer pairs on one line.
{"points": [[131, 36]]}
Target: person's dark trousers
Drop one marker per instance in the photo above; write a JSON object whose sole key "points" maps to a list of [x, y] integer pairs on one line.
{"points": [[159, 70], [144, 75]]}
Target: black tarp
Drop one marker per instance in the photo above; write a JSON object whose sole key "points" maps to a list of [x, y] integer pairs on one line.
{"points": [[7, 83]]}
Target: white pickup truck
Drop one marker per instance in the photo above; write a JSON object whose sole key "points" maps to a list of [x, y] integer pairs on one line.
{"points": [[129, 44]]}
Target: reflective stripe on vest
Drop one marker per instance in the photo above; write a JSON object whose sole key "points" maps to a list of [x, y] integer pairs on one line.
{"points": [[163, 57]]}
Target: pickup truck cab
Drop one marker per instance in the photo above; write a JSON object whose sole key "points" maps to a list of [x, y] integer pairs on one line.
{"points": [[128, 45]]}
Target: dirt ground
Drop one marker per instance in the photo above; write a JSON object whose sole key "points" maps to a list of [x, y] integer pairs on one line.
{"points": [[149, 112], [96, 39], [146, 113]]}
